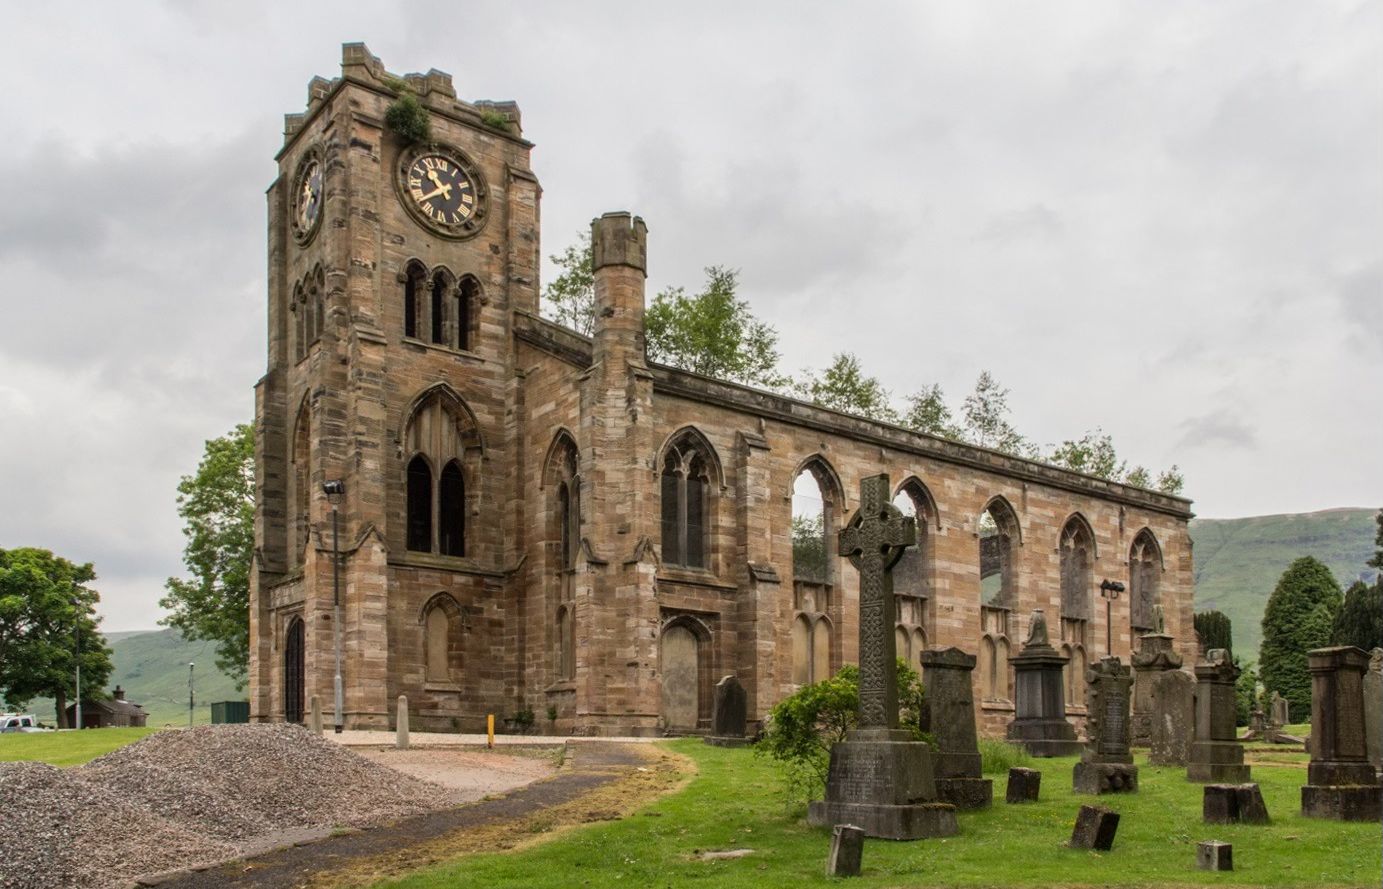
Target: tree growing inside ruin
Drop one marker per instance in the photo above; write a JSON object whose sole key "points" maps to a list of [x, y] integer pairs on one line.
{"points": [[569, 299], [844, 386], [713, 333], [217, 507], [48, 624], [1299, 617]]}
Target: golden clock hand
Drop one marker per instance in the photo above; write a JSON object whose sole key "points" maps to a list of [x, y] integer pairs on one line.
{"points": [[442, 187], [444, 190]]}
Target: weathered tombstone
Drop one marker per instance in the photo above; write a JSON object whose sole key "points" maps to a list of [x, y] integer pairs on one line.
{"points": [[1373, 709], [1155, 656], [948, 712], [879, 777], [1340, 782], [401, 740], [1233, 804], [1095, 828], [1173, 718], [847, 851], [1216, 754], [1023, 785], [1040, 722], [1279, 714], [1214, 855], [728, 715], [314, 714], [1106, 763]]}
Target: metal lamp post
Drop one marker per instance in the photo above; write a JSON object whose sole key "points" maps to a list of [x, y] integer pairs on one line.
{"points": [[1110, 590], [77, 628], [334, 491], [191, 697]]}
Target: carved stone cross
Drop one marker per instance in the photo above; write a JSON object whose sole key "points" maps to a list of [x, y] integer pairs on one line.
{"points": [[874, 541]]}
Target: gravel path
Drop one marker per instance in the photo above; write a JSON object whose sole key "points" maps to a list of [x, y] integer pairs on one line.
{"points": [[471, 774], [185, 797]]}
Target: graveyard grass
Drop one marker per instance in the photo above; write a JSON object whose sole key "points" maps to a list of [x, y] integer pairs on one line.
{"points": [[68, 748], [737, 801]]}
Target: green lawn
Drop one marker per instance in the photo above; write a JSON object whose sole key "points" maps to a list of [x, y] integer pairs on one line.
{"points": [[736, 802], [67, 748]]}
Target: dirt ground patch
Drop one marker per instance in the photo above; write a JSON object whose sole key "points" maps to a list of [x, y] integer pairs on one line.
{"points": [[474, 774], [630, 786]]}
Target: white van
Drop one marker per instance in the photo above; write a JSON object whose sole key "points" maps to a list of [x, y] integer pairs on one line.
{"points": [[19, 722]]}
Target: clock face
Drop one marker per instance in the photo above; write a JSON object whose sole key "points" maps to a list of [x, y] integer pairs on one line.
{"points": [[443, 191], [307, 199]]}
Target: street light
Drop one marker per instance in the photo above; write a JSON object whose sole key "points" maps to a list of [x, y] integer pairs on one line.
{"points": [[191, 698], [77, 629], [1110, 590], [335, 490]]}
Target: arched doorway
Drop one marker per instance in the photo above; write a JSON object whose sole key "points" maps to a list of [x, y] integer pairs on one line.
{"points": [[293, 672], [681, 679]]}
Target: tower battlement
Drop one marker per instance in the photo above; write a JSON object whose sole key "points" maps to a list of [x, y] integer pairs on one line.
{"points": [[619, 239]]}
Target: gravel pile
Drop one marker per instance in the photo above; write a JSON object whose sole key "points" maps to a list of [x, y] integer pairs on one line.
{"points": [[178, 798], [227, 780], [59, 829]]}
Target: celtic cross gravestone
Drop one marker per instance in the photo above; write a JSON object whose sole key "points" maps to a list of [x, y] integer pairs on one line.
{"points": [[880, 777]]}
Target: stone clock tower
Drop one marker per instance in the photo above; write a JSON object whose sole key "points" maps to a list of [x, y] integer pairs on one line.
{"points": [[396, 267]]}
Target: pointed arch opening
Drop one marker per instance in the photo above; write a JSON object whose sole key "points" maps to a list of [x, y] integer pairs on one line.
{"points": [[915, 572], [468, 300], [1145, 580], [562, 535], [442, 622], [294, 674], [451, 510], [1077, 556], [998, 533], [689, 465], [443, 286], [419, 505], [299, 524], [443, 450], [414, 285]]}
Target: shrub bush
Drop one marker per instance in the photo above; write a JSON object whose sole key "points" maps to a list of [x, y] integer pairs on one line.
{"points": [[407, 117]]}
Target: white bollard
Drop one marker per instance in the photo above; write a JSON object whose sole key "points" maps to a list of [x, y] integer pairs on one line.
{"points": [[402, 742]]}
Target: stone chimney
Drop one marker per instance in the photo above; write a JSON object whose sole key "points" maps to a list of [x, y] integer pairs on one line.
{"points": [[119, 693]]}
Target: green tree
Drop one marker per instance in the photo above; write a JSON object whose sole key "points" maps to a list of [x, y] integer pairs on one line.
{"points": [[569, 298], [1377, 560], [217, 507], [1215, 629], [927, 412], [845, 387], [1092, 454], [1360, 618], [1298, 618], [48, 616], [984, 415], [713, 333], [1170, 481], [803, 727], [809, 548]]}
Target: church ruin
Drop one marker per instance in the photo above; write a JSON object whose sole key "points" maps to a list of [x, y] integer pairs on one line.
{"points": [[542, 523]]}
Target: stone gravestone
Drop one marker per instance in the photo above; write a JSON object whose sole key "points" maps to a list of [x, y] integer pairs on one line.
{"points": [[879, 777], [1214, 855], [1173, 718], [1095, 828], [1268, 726], [1216, 754], [1340, 781], [1106, 763], [1373, 709], [1024, 785], [847, 851], [948, 712], [1233, 804], [1278, 712], [729, 716], [1040, 723], [1155, 656]]}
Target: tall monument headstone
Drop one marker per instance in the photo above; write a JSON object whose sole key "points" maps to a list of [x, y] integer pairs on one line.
{"points": [[948, 712], [1173, 721], [1040, 724], [1340, 781], [1373, 709], [1106, 764], [1216, 754], [880, 779], [1156, 655]]}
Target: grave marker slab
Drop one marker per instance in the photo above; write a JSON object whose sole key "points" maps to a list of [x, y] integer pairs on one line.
{"points": [[1040, 723], [847, 851], [729, 714], [1214, 855], [948, 712], [1106, 763], [1095, 828], [1173, 718], [1233, 804], [880, 779], [1216, 754], [1023, 785], [1373, 709], [1156, 655], [1341, 783]]}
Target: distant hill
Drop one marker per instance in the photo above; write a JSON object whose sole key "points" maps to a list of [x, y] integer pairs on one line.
{"points": [[1238, 561], [152, 668]]}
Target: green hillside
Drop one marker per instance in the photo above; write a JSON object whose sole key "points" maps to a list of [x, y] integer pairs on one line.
{"points": [[1238, 561], [152, 668]]}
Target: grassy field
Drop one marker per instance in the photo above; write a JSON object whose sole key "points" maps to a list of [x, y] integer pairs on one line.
{"points": [[67, 748], [736, 802]]}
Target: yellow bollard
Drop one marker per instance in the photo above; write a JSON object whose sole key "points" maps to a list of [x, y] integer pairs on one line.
{"points": [[490, 730]]}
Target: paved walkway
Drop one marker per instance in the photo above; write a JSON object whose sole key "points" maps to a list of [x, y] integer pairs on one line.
{"points": [[355, 738], [591, 765]]}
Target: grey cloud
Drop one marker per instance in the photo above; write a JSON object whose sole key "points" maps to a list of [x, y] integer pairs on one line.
{"points": [[1217, 428], [1037, 221]]}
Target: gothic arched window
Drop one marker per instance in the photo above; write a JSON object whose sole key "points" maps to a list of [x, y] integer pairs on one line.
{"points": [[467, 299], [1145, 578], [414, 283], [419, 505], [438, 655], [451, 511], [998, 534], [441, 283], [1077, 565], [686, 503]]}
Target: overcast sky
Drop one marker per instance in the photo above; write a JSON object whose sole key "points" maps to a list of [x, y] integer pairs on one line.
{"points": [[1162, 218]]}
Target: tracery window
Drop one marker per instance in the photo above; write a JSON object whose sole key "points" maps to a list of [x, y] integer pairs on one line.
{"points": [[686, 507]]}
